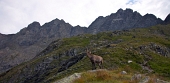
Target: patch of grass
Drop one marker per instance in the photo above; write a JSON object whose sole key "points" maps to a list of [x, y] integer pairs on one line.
{"points": [[103, 76], [75, 41]]}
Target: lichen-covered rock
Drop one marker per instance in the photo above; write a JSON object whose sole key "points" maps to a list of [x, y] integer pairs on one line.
{"points": [[70, 78], [164, 51]]}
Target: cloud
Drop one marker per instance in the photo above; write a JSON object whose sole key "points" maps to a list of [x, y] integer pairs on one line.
{"points": [[17, 14], [131, 2], [160, 8]]}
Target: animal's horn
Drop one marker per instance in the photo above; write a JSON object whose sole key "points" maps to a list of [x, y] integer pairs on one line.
{"points": [[86, 48]]}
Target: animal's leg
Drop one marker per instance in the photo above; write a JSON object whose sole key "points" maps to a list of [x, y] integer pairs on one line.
{"points": [[100, 65], [93, 66]]}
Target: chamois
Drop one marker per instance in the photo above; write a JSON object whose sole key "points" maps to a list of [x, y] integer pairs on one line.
{"points": [[95, 59]]}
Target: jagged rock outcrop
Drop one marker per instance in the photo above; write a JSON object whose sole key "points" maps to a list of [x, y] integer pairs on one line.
{"points": [[164, 51]]}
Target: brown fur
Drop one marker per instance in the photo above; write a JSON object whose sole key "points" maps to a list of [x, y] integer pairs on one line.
{"points": [[95, 59]]}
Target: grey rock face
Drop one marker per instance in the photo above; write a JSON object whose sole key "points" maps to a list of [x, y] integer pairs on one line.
{"points": [[78, 30]]}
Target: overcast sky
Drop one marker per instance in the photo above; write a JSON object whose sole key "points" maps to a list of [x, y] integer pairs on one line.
{"points": [[17, 14]]}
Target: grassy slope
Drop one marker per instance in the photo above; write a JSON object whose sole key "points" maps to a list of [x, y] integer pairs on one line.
{"points": [[116, 49], [124, 47]]}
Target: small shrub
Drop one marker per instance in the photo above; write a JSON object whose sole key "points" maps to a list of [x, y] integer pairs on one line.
{"points": [[103, 75]]}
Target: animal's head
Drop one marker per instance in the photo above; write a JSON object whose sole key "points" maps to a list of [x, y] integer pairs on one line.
{"points": [[87, 51]]}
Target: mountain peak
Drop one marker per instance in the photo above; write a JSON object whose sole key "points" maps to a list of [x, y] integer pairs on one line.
{"points": [[150, 15], [120, 10], [128, 10], [34, 24], [167, 19]]}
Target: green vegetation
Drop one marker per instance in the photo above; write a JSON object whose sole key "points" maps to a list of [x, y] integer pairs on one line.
{"points": [[149, 47]]}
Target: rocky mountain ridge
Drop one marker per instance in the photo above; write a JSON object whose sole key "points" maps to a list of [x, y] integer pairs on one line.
{"points": [[30, 41], [123, 20], [148, 49]]}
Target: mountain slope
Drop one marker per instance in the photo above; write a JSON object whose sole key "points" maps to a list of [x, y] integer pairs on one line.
{"points": [[147, 48]]}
